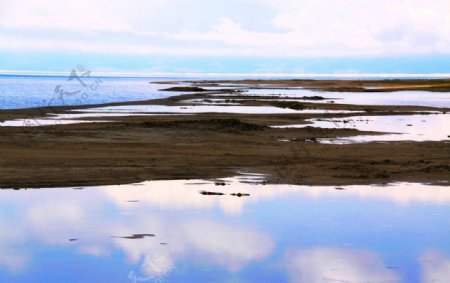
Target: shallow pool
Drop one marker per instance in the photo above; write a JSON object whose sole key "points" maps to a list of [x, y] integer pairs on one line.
{"points": [[167, 231]]}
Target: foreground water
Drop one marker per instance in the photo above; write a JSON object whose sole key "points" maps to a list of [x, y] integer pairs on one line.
{"points": [[167, 231]]}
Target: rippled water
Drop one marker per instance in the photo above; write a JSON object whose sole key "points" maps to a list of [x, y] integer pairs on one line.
{"points": [[37, 91], [166, 231]]}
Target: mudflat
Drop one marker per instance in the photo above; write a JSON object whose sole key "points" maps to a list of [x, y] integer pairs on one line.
{"points": [[129, 149]]}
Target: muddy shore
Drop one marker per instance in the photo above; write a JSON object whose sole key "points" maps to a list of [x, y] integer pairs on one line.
{"points": [[388, 85], [215, 145]]}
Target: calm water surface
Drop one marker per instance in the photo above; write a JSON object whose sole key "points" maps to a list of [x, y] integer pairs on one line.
{"points": [[412, 98], [37, 91], [430, 127], [166, 231]]}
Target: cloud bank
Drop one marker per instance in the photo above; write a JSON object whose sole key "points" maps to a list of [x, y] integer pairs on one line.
{"points": [[293, 28]]}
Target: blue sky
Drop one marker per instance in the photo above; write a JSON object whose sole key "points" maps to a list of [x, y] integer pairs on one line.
{"points": [[233, 36]]}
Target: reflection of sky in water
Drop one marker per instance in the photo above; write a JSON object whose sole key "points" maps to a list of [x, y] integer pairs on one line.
{"points": [[207, 109], [152, 110], [41, 122], [414, 98], [70, 118], [433, 127], [396, 233]]}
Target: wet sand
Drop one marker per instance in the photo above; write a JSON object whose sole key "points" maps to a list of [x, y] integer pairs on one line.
{"points": [[215, 145], [438, 85]]}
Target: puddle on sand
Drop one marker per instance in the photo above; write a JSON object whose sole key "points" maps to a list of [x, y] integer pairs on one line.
{"points": [[279, 233], [43, 122], [69, 118], [153, 110], [433, 127], [411, 98], [207, 109]]}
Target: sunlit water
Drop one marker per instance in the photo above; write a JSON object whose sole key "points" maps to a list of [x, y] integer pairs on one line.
{"points": [[432, 127], [153, 110], [207, 109], [72, 118], [412, 98], [38, 91], [166, 231]]}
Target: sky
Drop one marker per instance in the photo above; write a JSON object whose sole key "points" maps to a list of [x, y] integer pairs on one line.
{"points": [[232, 36]]}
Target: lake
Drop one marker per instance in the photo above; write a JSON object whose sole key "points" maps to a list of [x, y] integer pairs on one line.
{"points": [[167, 231]]}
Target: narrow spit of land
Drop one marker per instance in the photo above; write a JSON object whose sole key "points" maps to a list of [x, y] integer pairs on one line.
{"points": [[130, 149]]}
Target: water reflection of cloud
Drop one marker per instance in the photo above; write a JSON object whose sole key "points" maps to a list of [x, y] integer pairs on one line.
{"points": [[182, 195], [435, 267], [399, 193], [230, 246], [12, 255], [190, 223], [211, 242], [46, 219], [13, 259], [337, 265], [52, 217]]}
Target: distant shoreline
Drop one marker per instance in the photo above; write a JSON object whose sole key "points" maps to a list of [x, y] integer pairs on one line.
{"points": [[336, 85], [231, 75]]}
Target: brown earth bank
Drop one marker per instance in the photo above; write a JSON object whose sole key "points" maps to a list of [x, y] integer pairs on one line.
{"points": [[206, 146], [211, 145], [352, 85]]}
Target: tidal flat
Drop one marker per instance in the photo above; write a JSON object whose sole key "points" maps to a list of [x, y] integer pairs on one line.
{"points": [[197, 134], [231, 181]]}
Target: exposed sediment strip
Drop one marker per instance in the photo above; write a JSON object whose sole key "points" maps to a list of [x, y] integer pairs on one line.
{"points": [[211, 145]]}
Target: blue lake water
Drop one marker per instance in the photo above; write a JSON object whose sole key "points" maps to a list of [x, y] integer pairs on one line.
{"points": [[166, 231], [37, 91]]}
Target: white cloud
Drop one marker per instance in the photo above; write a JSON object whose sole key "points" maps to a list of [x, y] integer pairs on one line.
{"points": [[197, 27], [328, 27], [68, 16]]}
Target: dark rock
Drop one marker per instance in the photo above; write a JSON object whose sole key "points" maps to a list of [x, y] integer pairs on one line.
{"points": [[185, 89], [240, 195], [135, 236], [205, 193]]}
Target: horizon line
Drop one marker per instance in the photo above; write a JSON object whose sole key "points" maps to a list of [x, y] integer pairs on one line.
{"points": [[198, 74]]}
